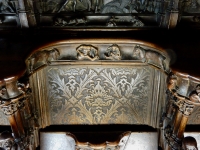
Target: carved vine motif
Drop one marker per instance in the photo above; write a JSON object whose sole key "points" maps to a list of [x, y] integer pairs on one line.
{"points": [[113, 53], [98, 96], [151, 57], [87, 52]]}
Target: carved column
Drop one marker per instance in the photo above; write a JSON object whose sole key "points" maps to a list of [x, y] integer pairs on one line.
{"points": [[14, 103], [183, 97]]}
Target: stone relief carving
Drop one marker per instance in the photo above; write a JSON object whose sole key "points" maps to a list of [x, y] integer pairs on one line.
{"points": [[113, 53], [98, 96], [149, 56], [87, 52], [41, 58]]}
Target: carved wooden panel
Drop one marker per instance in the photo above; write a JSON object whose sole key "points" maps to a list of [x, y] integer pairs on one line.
{"points": [[98, 82], [100, 94]]}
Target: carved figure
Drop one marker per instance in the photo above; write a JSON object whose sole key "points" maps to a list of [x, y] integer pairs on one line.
{"points": [[7, 141], [43, 57], [5, 7], [116, 6], [113, 53], [87, 52], [149, 56], [189, 143]]}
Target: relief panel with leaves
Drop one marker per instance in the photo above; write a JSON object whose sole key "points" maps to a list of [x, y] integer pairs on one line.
{"points": [[98, 95]]}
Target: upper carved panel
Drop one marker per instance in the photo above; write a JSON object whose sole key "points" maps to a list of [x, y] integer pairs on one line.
{"points": [[95, 95], [102, 81], [97, 6], [98, 52]]}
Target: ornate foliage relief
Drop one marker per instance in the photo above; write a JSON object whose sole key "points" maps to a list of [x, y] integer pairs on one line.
{"points": [[98, 95]]}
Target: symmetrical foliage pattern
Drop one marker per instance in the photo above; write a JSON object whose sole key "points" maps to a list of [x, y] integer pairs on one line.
{"points": [[98, 95]]}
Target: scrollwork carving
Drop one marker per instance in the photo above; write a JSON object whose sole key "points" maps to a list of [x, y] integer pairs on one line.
{"points": [[87, 52]]}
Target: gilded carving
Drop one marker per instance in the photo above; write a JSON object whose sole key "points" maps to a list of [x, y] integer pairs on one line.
{"points": [[113, 53], [87, 52], [98, 96]]}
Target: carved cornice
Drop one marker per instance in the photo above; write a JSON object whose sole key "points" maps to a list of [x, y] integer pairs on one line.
{"points": [[95, 51]]}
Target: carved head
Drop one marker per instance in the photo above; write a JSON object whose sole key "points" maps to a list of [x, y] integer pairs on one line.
{"points": [[113, 50], [6, 140], [55, 53], [87, 50], [189, 143], [138, 52]]}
